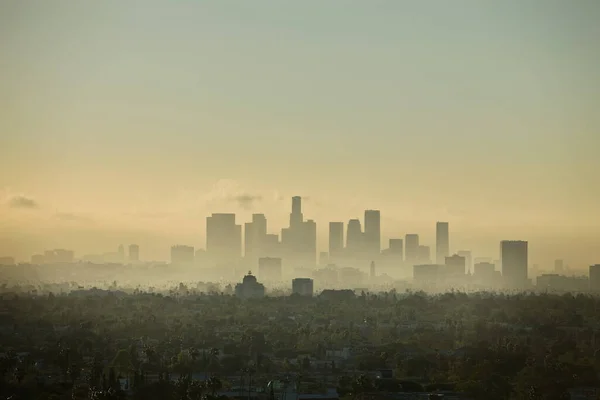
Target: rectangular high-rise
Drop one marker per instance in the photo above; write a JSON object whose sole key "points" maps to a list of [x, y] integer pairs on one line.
{"points": [[302, 286], [182, 255], [411, 247], [223, 238], [296, 216], [254, 236], [514, 259], [424, 254], [455, 265], [372, 235], [595, 278], [468, 259], [354, 237], [396, 248], [558, 266], [299, 240], [336, 238], [442, 242], [134, 253], [309, 244]]}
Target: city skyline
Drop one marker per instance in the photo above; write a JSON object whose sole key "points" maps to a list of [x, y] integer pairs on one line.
{"points": [[225, 247], [131, 124], [299, 200]]}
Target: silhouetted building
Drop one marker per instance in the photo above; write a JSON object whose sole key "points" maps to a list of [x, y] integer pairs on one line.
{"points": [[411, 247], [426, 274], [455, 265], [396, 248], [134, 253], [513, 257], [121, 252], [223, 239], [181, 254], [310, 241], [558, 266], [561, 283], [336, 239], [424, 254], [270, 269], [337, 295], [478, 260], [254, 236], [249, 288], [442, 242], [303, 286], [372, 235], [349, 276], [327, 276], [299, 241], [595, 278], [468, 259], [296, 217], [484, 271], [354, 237], [485, 274], [271, 245], [58, 256], [373, 272]]}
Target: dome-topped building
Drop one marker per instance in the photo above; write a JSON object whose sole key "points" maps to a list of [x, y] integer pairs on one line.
{"points": [[249, 288]]}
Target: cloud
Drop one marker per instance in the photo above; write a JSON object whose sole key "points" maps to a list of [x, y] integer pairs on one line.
{"points": [[227, 191], [246, 200], [22, 201]]}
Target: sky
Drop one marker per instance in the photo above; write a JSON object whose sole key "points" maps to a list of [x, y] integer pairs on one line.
{"points": [[131, 121]]}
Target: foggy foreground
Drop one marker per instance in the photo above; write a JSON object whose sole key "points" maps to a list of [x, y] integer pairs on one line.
{"points": [[111, 331], [360, 323]]}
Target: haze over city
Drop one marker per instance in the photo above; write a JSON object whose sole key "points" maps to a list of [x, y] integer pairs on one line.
{"points": [[299, 200], [131, 122]]}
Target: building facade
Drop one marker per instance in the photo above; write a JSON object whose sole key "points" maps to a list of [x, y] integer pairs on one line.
{"points": [[514, 259], [442, 242], [303, 286]]}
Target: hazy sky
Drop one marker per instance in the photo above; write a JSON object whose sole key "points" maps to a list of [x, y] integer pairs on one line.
{"points": [[130, 121]]}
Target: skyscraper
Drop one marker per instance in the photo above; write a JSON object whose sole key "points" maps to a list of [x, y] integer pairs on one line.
{"points": [[372, 236], [299, 241], [309, 243], [296, 217], [336, 239], [411, 247], [424, 254], [595, 278], [396, 248], [182, 255], [223, 238], [468, 259], [513, 257], [134, 253], [254, 236], [442, 242], [455, 265], [558, 266], [354, 237]]}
